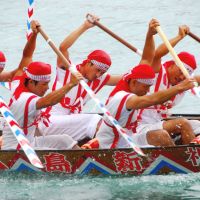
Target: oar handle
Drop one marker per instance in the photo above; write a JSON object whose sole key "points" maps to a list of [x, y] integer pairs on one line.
{"points": [[93, 96], [53, 46], [97, 23], [195, 37], [172, 51]]}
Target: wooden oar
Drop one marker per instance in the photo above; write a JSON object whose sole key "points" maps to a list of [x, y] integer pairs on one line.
{"points": [[89, 18], [19, 134], [92, 95], [172, 52], [195, 91], [195, 37], [176, 58]]}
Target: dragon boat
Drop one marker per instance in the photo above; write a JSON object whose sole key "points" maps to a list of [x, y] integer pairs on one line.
{"points": [[158, 160]]}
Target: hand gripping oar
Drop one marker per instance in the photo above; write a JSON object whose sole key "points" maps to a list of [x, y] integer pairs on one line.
{"points": [[89, 18], [195, 37], [195, 91], [19, 134], [176, 58], [92, 95]]}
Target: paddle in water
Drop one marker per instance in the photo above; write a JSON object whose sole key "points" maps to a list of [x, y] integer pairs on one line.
{"points": [[92, 95]]}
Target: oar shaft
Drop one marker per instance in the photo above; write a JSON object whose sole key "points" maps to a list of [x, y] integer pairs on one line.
{"points": [[195, 37], [172, 51], [53, 46], [115, 36], [101, 26], [93, 96]]}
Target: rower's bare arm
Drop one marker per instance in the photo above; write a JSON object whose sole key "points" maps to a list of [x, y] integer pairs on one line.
{"points": [[162, 50], [28, 49], [71, 39], [114, 79], [149, 47], [7, 76], [56, 96], [138, 102]]}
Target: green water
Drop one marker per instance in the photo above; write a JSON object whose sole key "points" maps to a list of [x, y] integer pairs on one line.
{"points": [[15, 186]]}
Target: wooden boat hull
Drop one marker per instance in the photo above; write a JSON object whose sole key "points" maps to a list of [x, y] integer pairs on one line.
{"points": [[179, 159]]}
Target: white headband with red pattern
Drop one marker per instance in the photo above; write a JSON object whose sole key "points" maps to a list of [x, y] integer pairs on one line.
{"points": [[102, 66], [44, 78], [146, 81]]}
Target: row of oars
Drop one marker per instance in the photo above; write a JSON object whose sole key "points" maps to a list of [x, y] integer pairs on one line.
{"points": [[32, 156]]}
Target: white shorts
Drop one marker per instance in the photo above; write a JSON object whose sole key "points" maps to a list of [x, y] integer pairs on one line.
{"points": [[55, 142], [195, 126], [144, 128], [105, 137], [78, 126]]}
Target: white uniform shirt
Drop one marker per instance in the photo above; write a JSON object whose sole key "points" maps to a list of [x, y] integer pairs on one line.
{"points": [[105, 134], [77, 96], [17, 108]]}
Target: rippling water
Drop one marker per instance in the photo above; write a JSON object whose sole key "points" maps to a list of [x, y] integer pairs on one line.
{"points": [[62, 187], [129, 19]]}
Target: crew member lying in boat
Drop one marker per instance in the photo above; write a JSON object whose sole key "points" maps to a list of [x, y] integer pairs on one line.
{"points": [[129, 96], [169, 74], [29, 87]]}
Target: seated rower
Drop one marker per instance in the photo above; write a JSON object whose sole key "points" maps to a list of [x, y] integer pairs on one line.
{"points": [[67, 115], [129, 96], [26, 103], [169, 74]]}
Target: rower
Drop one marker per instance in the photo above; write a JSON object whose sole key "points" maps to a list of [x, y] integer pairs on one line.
{"points": [[169, 74], [27, 102], [129, 96], [67, 114], [29, 87]]}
